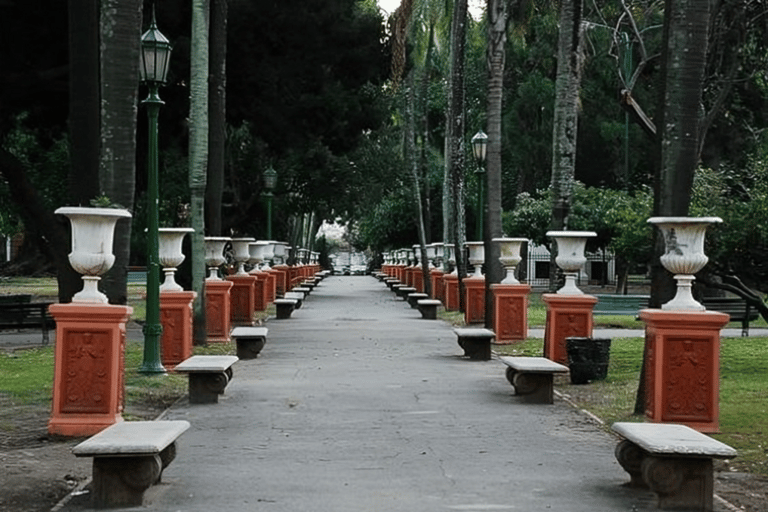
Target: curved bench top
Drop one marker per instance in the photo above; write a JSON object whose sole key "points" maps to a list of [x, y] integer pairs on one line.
{"points": [[530, 364], [673, 439], [248, 332], [206, 364], [132, 438]]}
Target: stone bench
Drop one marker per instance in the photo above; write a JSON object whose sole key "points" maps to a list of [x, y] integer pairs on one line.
{"points": [[249, 340], [390, 282], [285, 307], [476, 342], [674, 461], [533, 377], [404, 291], [208, 377], [128, 458], [297, 296], [414, 298], [428, 308], [302, 289]]}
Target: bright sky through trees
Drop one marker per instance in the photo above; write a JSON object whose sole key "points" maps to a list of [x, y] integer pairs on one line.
{"points": [[475, 6]]}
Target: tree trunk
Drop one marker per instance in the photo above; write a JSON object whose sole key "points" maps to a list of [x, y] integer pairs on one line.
{"points": [[497, 37], [218, 122], [686, 25], [454, 160], [565, 126], [120, 28], [198, 157], [84, 117]]}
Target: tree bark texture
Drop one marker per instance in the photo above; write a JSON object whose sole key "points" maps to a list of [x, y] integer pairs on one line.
{"points": [[497, 38], [455, 135], [120, 46], [217, 114], [198, 157], [566, 116]]}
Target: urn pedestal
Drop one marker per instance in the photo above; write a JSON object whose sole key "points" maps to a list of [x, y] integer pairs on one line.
{"points": [[176, 317], [272, 277], [260, 297], [282, 279], [451, 288], [217, 310], [510, 312], [474, 295], [88, 381], [242, 299], [567, 316], [682, 372], [438, 285], [417, 276]]}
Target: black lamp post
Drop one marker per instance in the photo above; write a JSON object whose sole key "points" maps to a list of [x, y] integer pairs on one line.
{"points": [[155, 54], [479, 147], [270, 181]]}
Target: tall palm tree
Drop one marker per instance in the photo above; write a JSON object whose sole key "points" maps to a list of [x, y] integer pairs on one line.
{"points": [[497, 38], [120, 40], [569, 56], [217, 116], [198, 156]]}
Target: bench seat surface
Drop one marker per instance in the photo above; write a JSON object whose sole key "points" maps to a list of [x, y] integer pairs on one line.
{"points": [[286, 301], [671, 439], [294, 295], [429, 302], [468, 332], [249, 332], [533, 364], [132, 438], [206, 364]]}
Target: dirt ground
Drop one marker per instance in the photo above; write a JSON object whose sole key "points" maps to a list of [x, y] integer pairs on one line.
{"points": [[38, 470]]}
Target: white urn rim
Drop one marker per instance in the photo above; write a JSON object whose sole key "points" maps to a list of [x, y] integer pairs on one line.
{"points": [[571, 234], [176, 230], [469, 244], [684, 220], [217, 239], [88, 210], [505, 239]]}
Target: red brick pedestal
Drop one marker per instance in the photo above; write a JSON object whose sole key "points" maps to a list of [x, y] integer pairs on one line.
{"points": [[176, 317], [271, 285], [682, 369], [260, 297], [282, 279], [510, 312], [89, 368], [474, 300], [417, 276], [451, 288], [567, 316], [242, 299], [438, 287], [217, 310]]}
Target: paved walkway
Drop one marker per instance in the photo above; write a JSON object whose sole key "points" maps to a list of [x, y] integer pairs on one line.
{"points": [[356, 404]]}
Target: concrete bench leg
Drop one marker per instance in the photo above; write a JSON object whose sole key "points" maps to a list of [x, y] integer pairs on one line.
{"points": [[680, 483], [284, 311], [249, 348], [205, 387], [428, 312], [534, 388], [476, 349], [122, 481]]}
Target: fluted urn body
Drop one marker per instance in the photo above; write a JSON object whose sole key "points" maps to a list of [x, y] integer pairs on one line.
{"points": [[214, 254], [476, 257], [684, 255], [570, 256], [93, 233], [509, 256], [241, 249], [171, 255]]}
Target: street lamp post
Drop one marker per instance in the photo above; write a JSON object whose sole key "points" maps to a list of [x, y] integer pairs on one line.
{"points": [[479, 146], [270, 181], [155, 54]]}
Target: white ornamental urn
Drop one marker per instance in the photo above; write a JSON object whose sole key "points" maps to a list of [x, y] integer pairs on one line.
{"points": [[570, 256], [171, 255], [242, 253], [93, 233], [416, 255], [214, 255], [280, 252], [437, 258], [256, 254], [476, 257], [509, 256], [684, 255]]}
